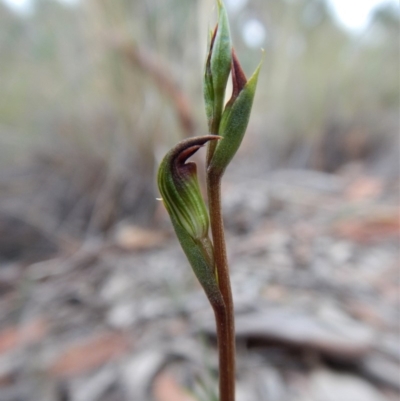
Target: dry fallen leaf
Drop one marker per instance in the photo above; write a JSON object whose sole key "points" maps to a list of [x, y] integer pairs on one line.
{"points": [[167, 389], [364, 188], [367, 229], [17, 336], [134, 238], [92, 353]]}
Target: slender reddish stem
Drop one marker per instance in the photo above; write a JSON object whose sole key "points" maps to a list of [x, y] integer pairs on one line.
{"points": [[224, 319]]}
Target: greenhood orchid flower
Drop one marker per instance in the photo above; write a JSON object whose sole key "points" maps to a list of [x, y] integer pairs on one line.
{"points": [[180, 191]]}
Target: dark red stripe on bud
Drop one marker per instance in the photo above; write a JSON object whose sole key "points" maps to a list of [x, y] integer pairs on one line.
{"points": [[239, 79]]}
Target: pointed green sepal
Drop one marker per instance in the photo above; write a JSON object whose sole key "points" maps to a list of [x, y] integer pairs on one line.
{"points": [[218, 65], [200, 256], [235, 117]]}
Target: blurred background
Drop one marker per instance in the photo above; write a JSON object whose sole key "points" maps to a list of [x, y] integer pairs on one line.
{"points": [[97, 302]]}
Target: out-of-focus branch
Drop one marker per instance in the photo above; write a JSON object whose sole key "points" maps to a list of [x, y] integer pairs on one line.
{"points": [[163, 78]]}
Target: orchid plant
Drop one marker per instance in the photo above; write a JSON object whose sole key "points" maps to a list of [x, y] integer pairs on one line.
{"points": [[181, 195]]}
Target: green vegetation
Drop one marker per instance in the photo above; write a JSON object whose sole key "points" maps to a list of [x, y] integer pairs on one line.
{"points": [[107, 86]]}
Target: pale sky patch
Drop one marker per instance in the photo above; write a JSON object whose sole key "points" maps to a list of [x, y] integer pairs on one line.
{"points": [[355, 14], [25, 6], [352, 14], [253, 33]]}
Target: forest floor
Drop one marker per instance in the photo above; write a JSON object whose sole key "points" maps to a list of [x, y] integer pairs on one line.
{"points": [[314, 260]]}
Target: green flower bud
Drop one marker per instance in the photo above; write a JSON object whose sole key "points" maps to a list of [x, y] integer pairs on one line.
{"points": [[235, 117], [218, 65], [180, 191]]}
